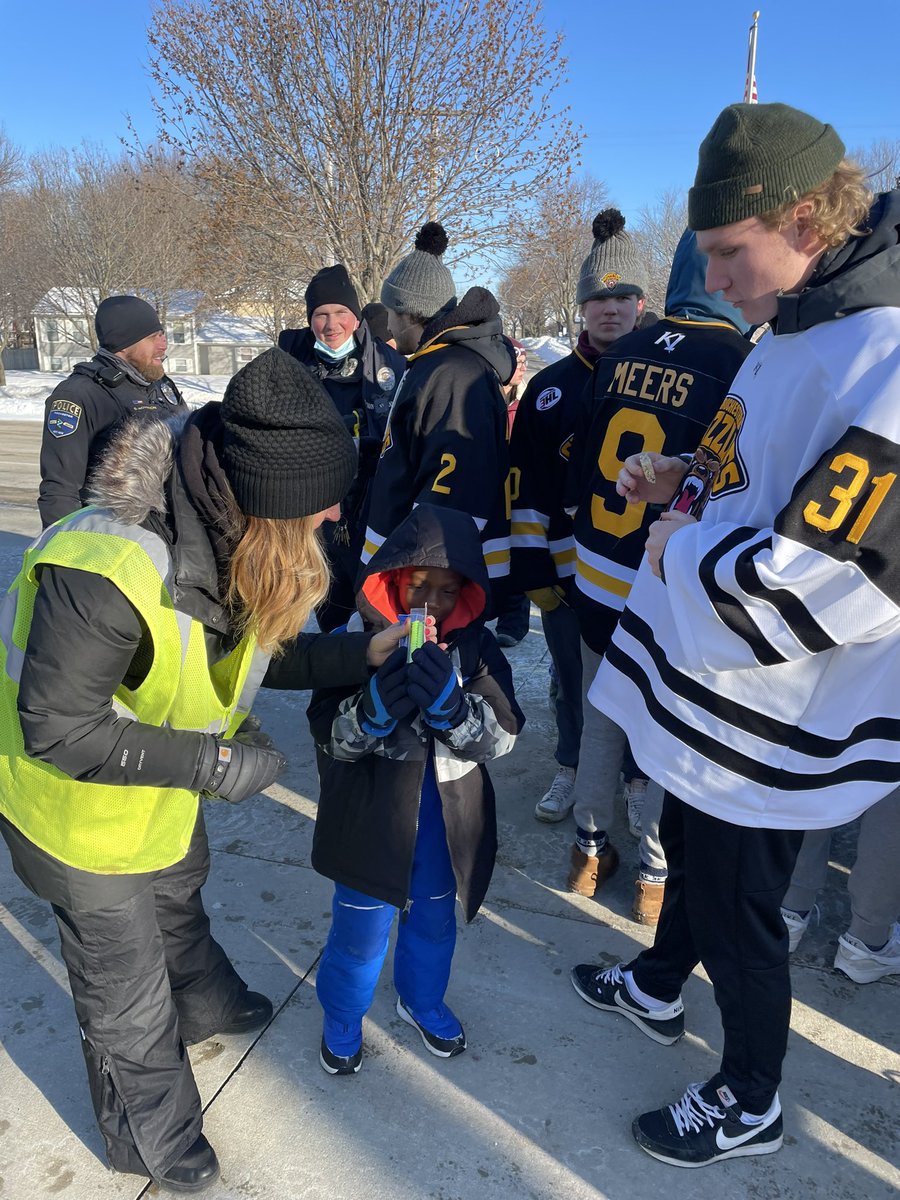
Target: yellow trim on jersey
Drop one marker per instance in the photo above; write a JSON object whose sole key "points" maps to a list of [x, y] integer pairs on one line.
{"points": [[607, 582], [701, 324], [561, 557], [523, 528], [578, 354]]}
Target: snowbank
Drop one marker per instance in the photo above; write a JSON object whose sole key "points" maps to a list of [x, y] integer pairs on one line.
{"points": [[548, 349], [22, 399]]}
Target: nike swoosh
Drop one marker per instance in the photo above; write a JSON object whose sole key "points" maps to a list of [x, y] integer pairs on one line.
{"points": [[724, 1142]]}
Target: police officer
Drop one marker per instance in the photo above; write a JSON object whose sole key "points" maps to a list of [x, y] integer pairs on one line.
{"points": [[361, 375], [126, 374]]}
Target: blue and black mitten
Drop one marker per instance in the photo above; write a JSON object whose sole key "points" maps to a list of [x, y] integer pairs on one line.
{"points": [[435, 689], [386, 699]]}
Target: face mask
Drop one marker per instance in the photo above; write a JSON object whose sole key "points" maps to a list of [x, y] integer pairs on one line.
{"points": [[339, 353]]}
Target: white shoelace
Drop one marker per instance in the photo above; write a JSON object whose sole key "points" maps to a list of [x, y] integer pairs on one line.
{"points": [[692, 1112], [611, 975]]}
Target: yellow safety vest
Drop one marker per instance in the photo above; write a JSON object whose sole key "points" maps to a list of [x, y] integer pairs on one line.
{"points": [[105, 828]]}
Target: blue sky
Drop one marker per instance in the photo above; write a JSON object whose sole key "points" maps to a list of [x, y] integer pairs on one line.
{"points": [[647, 77]]}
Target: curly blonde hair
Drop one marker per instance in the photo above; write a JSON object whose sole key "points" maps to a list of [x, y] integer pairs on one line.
{"points": [[840, 206], [277, 575]]}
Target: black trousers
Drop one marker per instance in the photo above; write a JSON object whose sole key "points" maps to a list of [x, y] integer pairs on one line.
{"points": [[722, 907], [147, 977]]}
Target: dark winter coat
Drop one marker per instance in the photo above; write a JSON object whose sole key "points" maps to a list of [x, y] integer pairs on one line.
{"points": [[446, 442], [370, 787], [81, 416], [83, 621]]}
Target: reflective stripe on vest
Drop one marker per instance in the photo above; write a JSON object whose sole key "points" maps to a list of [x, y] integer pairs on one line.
{"points": [[99, 827]]}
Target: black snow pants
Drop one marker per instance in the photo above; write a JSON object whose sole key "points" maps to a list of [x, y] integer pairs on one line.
{"points": [[147, 978]]}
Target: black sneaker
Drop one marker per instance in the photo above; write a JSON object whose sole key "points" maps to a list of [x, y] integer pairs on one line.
{"points": [[338, 1064], [443, 1047], [606, 989], [704, 1126]]}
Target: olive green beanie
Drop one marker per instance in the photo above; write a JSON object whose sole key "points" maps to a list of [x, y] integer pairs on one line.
{"points": [[756, 157]]}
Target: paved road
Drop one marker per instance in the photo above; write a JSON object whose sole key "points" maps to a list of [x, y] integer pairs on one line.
{"points": [[20, 448]]}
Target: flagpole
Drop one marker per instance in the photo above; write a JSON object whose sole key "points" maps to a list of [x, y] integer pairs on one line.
{"points": [[750, 95]]}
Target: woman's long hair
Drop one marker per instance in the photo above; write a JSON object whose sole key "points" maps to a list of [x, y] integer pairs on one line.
{"points": [[277, 575]]}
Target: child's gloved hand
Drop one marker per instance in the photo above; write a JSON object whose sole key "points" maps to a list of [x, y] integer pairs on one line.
{"points": [[435, 689], [386, 699]]}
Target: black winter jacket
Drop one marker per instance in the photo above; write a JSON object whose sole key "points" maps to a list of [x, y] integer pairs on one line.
{"points": [[86, 638], [370, 787], [446, 440], [80, 417]]}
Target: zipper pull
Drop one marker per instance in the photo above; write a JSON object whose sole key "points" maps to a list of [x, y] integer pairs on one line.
{"points": [[404, 912]]}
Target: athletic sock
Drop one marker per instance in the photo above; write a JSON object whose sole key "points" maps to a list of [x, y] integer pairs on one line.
{"points": [[591, 842], [649, 1002]]}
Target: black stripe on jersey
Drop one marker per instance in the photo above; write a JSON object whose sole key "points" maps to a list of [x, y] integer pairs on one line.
{"points": [[848, 507], [764, 774], [749, 720], [729, 609], [790, 608]]}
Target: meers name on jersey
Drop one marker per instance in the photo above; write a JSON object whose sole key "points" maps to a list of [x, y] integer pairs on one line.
{"points": [[646, 381]]}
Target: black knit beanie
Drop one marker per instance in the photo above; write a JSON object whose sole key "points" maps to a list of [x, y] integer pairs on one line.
{"points": [[121, 321], [285, 450], [757, 157], [331, 285]]}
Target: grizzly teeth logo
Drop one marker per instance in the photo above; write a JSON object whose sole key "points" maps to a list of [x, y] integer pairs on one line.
{"points": [[720, 443]]}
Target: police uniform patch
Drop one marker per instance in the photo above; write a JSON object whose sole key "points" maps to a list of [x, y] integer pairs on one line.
{"points": [[63, 418], [548, 397], [385, 377]]}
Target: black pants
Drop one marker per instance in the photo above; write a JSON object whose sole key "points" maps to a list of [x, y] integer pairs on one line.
{"points": [[148, 977], [722, 908]]}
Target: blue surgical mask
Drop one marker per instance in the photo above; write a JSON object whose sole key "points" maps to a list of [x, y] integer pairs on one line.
{"points": [[339, 353]]}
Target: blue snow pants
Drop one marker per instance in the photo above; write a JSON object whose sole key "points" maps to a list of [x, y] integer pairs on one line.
{"points": [[426, 937]]}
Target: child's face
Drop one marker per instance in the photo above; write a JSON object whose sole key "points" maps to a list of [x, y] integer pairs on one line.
{"points": [[435, 586]]}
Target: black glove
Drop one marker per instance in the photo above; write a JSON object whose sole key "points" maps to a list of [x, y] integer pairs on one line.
{"points": [[435, 689], [235, 769], [251, 733], [386, 700]]}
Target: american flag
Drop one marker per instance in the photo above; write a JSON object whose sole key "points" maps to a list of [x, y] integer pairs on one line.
{"points": [[751, 95]]}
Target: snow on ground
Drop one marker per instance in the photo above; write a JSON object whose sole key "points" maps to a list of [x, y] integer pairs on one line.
{"points": [[548, 349], [22, 399]]}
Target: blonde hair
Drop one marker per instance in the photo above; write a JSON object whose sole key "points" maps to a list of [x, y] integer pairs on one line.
{"points": [[277, 575], [840, 206]]}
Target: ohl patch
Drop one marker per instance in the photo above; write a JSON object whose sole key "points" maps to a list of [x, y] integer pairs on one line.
{"points": [[63, 418]]}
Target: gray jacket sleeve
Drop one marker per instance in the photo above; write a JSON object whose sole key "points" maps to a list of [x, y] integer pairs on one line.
{"points": [[83, 643]]}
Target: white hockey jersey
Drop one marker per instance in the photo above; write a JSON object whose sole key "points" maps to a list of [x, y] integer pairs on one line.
{"points": [[761, 681]]}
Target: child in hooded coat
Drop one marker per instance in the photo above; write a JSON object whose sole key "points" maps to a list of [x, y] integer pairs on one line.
{"points": [[406, 817]]}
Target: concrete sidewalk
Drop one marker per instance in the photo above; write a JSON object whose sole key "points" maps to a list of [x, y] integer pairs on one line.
{"points": [[541, 1104]]}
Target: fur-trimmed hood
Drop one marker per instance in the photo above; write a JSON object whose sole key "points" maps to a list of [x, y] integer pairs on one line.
{"points": [[130, 480], [164, 475]]}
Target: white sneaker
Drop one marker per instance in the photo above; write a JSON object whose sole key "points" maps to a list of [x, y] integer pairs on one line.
{"points": [[863, 965], [555, 803], [634, 792], [797, 925]]}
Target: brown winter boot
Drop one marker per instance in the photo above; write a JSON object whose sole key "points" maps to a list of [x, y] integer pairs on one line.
{"points": [[589, 872], [648, 898]]}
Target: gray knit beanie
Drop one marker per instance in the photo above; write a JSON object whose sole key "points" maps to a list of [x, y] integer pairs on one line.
{"points": [[756, 157], [612, 268], [420, 284]]}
